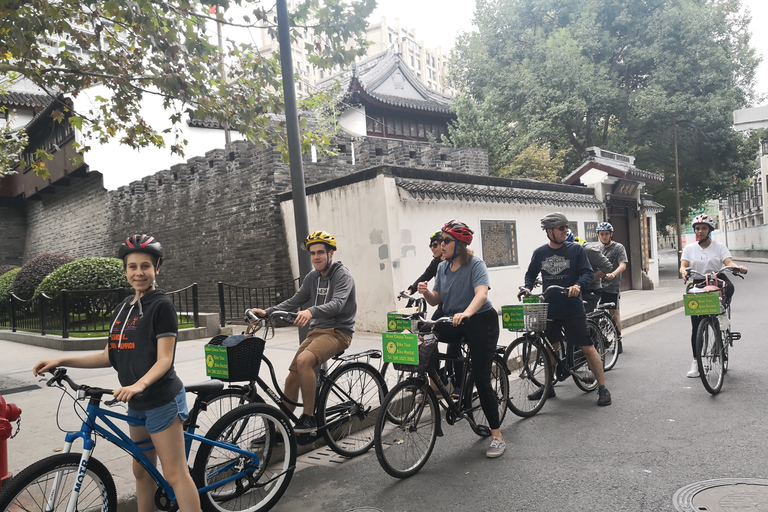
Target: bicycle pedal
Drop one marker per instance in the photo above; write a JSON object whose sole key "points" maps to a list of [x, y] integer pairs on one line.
{"points": [[733, 336]]}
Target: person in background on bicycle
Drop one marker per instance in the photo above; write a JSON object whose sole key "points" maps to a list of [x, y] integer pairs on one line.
{"points": [[462, 285], [600, 265], [704, 257], [141, 347], [566, 265], [431, 271], [617, 255], [330, 290]]}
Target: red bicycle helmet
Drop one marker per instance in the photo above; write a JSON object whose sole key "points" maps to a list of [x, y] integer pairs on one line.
{"points": [[141, 243], [459, 231]]}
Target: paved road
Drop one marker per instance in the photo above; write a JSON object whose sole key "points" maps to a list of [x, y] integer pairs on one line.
{"points": [[663, 432]]}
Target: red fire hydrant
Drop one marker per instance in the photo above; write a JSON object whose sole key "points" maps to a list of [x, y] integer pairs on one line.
{"points": [[8, 413]]}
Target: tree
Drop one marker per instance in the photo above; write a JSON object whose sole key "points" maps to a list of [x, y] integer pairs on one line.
{"points": [[12, 140], [135, 48], [619, 74], [535, 162]]}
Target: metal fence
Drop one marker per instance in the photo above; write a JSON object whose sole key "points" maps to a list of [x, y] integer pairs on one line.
{"points": [[234, 300], [83, 311]]}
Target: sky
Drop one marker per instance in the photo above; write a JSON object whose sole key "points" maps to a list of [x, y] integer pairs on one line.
{"points": [[438, 23]]}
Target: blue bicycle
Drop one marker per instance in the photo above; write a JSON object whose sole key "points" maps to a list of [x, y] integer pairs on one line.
{"points": [[242, 463]]}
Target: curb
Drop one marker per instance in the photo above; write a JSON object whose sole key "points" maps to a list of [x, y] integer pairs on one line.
{"points": [[651, 313]]}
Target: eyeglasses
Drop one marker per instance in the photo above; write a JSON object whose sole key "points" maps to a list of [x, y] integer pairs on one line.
{"points": [[434, 245], [561, 228], [446, 241]]}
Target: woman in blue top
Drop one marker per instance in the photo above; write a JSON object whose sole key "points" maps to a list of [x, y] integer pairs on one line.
{"points": [[462, 285]]}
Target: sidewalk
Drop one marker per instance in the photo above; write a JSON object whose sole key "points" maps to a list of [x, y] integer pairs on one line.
{"points": [[40, 437]]}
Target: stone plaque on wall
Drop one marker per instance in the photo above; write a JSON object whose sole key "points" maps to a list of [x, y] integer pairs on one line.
{"points": [[590, 231], [499, 239]]}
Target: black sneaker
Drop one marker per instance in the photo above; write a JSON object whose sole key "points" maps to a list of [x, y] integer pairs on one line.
{"points": [[604, 396], [305, 425], [621, 347], [536, 395]]}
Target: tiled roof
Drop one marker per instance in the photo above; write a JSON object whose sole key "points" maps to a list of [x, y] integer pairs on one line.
{"points": [[369, 74], [651, 206], [24, 99], [425, 189]]}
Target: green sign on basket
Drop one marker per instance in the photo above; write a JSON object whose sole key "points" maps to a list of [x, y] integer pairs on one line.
{"points": [[397, 323], [697, 304], [400, 348], [512, 317], [216, 362]]}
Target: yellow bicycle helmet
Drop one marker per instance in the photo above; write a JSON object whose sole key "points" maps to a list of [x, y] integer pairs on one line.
{"points": [[320, 237], [579, 240]]}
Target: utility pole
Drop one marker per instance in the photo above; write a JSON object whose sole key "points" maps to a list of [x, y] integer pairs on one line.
{"points": [[301, 218], [677, 202]]}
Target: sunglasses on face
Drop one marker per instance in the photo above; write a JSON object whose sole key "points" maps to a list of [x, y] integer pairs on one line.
{"points": [[561, 228], [446, 241], [434, 245]]}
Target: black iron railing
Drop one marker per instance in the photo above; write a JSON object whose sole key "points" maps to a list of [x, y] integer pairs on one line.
{"points": [[233, 299], [85, 311]]}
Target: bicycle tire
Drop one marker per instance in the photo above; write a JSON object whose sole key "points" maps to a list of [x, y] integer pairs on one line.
{"points": [[709, 353], [607, 326], [392, 376], [406, 431], [355, 391], [255, 427], [30, 489], [478, 420], [528, 367], [577, 360]]}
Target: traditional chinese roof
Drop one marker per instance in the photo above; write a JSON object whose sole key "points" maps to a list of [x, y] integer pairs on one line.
{"points": [[649, 205], [385, 80], [24, 99], [430, 189], [620, 166]]}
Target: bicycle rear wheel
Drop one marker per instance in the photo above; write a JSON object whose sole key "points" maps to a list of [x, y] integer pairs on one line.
{"points": [[32, 488], [709, 350], [607, 326], [349, 402], [257, 428], [478, 420], [577, 360], [406, 429], [528, 368]]}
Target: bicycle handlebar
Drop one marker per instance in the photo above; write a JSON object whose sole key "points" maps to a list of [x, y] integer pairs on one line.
{"points": [[83, 391], [552, 287], [733, 270], [288, 316]]}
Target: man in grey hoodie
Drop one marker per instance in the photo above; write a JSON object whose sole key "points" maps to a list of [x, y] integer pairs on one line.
{"points": [[330, 290]]}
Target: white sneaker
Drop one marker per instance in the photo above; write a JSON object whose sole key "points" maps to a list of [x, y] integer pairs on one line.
{"points": [[694, 373]]}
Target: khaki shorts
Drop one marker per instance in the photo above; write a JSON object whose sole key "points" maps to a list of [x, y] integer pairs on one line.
{"points": [[324, 344]]}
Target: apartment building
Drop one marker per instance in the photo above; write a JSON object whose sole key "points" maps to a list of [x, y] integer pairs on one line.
{"points": [[430, 65]]}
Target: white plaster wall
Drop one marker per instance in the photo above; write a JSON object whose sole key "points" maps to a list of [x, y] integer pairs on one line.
{"points": [[353, 120], [653, 261], [747, 239]]}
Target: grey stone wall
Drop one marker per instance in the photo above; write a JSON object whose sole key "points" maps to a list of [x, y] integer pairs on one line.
{"points": [[217, 216], [13, 231], [74, 220]]}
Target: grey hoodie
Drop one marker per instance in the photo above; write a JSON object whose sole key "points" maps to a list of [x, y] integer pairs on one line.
{"points": [[332, 299]]}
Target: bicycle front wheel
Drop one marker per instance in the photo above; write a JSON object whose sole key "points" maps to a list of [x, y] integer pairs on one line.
{"points": [[607, 326], [238, 484], [584, 378], [709, 350], [477, 418], [47, 485], [348, 405], [406, 429], [529, 370]]}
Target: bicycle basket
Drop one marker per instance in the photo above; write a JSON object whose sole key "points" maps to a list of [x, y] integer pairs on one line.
{"points": [[234, 358], [427, 356], [525, 317]]}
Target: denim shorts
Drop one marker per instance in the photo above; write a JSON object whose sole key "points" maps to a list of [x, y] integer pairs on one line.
{"points": [[160, 418]]}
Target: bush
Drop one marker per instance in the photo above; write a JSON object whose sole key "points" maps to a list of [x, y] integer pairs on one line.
{"points": [[85, 274], [6, 282], [34, 271], [7, 268]]}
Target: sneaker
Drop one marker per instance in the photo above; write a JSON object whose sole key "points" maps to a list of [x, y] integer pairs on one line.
{"points": [[603, 396], [496, 449], [536, 395], [694, 373], [621, 346], [305, 425]]}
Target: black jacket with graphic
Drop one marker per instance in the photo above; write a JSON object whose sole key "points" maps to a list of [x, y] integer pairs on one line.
{"points": [[133, 346]]}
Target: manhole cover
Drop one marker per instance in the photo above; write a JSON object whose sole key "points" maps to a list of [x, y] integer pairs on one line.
{"points": [[723, 495]]}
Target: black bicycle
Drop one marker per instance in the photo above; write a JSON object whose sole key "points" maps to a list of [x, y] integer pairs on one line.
{"points": [[410, 421], [603, 320], [530, 359], [348, 399]]}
